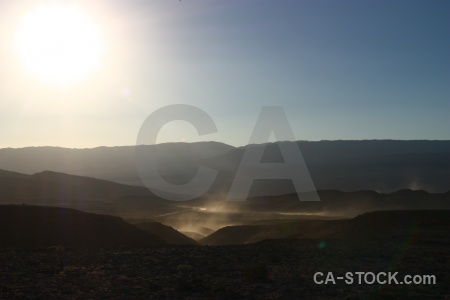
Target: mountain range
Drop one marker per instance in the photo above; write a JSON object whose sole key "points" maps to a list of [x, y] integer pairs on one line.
{"points": [[352, 178], [379, 165]]}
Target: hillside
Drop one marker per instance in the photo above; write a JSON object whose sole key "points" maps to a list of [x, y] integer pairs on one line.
{"points": [[429, 226], [53, 185], [82, 193], [347, 203], [166, 233], [38, 226], [134, 202]]}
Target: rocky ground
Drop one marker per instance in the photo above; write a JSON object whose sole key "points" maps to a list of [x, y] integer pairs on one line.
{"points": [[282, 269]]}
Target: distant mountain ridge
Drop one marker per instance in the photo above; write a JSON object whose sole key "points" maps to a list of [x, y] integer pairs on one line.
{"points": [[116, 164], [380, 165]]}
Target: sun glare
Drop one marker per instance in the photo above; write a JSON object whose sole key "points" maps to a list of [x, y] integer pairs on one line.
{"points": [[59, 43]]}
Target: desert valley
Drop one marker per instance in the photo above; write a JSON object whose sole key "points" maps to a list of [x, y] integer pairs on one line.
{"points": [[75, 236]]}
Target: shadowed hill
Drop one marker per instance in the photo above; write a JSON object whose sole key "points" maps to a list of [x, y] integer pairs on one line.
{"points": [[166, 233], [83, 193], [429, 226], [193, 235], [247, 234], [105, 197], [38, 226], [9, 174], [334, 202], [51, 185]]}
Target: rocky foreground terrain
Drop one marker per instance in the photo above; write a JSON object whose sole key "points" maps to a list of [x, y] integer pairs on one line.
{"points": [[281, 269]]}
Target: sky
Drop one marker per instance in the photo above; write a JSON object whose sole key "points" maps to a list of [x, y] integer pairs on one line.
{"points": [[360, 69]]}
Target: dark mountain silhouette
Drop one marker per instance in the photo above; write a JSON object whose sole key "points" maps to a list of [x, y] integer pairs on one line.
{"points": [[52, 185], [166, 233], [83, 193], [425, 226], [193, 235], [9, 174], [380, 165], [116, 164], [199, 233], [346, 203], [38, 226], [101, 196]]}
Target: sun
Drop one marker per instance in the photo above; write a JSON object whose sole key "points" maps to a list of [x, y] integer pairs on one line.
{"points": [[59, 43]]}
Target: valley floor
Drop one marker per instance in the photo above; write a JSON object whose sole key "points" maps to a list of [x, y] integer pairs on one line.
{"points": [[281, 269]]}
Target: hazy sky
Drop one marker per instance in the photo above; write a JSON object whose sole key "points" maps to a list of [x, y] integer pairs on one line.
{"points": [[341, 69]]}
